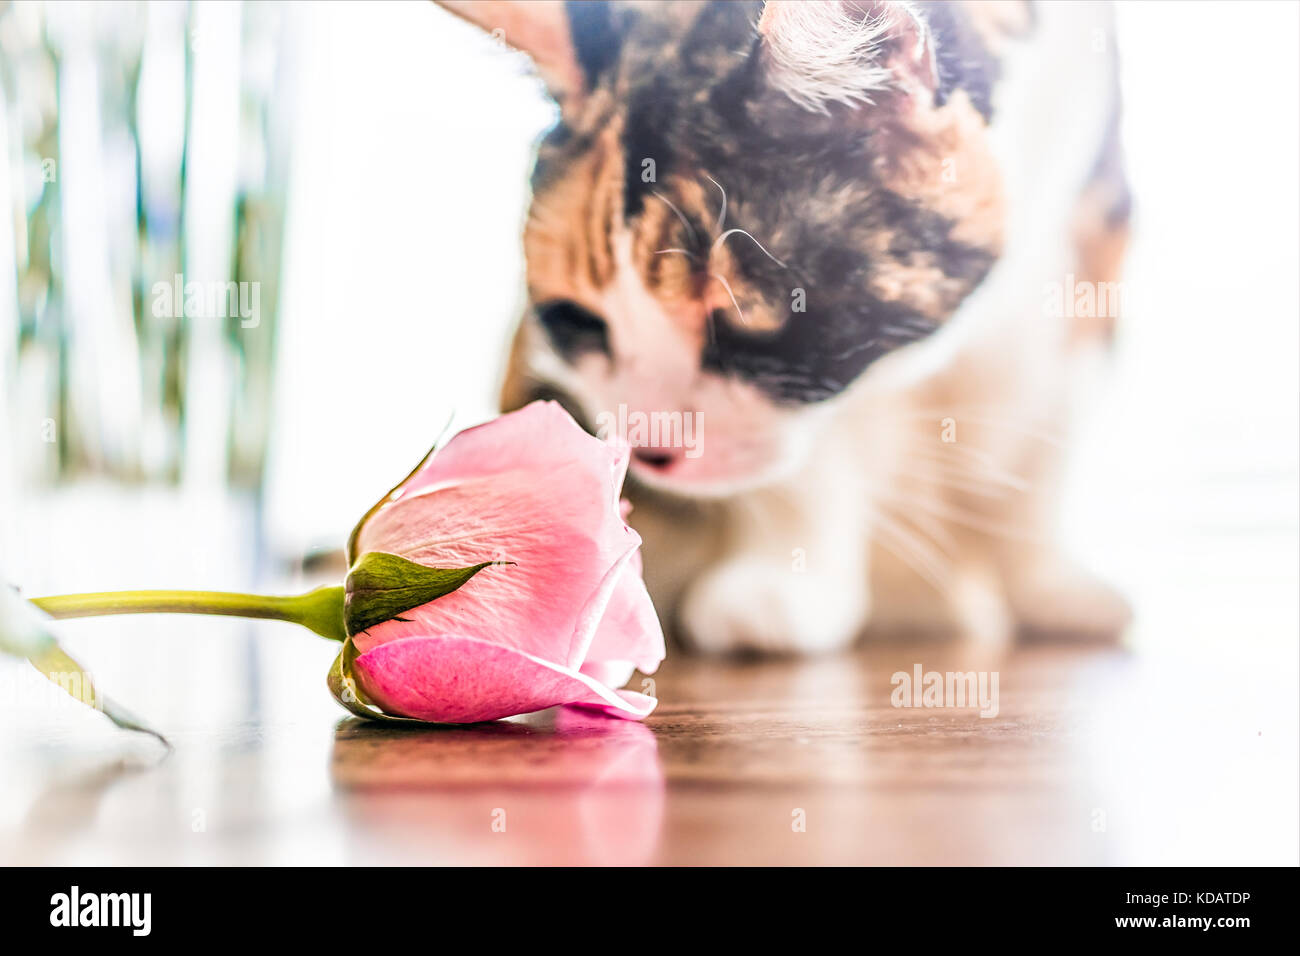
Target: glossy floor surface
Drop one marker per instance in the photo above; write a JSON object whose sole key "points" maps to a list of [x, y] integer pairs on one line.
{"points": [[1092, 757]]}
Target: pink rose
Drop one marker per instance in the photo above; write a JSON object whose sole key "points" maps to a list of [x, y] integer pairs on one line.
{"points": [[500, 578]]}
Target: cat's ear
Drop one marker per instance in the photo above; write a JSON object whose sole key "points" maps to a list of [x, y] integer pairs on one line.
{"points": [[847, 52], [569, 42]]}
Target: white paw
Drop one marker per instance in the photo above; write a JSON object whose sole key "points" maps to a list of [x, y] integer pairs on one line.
{"points": [[751, 606], [1063, 601]]}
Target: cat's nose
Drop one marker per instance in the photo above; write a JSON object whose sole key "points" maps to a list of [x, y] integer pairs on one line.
{"points": [[660, 459]]}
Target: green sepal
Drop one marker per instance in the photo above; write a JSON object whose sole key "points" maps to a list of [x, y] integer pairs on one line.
{"points": [[343, 685], [382, 586], [392, 493]]}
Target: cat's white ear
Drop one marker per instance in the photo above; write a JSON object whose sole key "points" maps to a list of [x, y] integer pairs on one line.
{"points": [[540, 28], [847, 51]]}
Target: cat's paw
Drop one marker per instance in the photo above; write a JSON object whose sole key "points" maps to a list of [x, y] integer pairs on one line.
{"points": [[753, 607], [1059, 601]]}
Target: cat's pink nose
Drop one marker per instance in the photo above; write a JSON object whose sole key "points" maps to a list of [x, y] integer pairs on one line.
{"points": [[660, 459]]}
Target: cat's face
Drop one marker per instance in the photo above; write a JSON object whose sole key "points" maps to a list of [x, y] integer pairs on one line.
{"points": [[740, 212]]}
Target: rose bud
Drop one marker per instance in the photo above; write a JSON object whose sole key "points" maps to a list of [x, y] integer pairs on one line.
{"points": [[499, 578]]}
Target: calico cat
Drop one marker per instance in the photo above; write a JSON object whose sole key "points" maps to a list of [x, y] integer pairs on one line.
{"points": [[826, 235]]}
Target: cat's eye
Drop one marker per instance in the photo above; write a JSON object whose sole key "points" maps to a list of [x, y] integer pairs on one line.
{"points": [[573, 329]]}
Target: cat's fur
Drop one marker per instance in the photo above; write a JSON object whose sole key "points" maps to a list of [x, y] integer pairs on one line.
{"points": [[838, 258]]}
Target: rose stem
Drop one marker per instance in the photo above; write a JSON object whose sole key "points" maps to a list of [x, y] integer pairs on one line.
{"points": [[320, 610]]}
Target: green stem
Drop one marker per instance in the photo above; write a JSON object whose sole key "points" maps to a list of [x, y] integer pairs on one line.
{"points": [[320, 610]]}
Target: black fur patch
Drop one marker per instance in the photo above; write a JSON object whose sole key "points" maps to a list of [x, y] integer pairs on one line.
{"points": [[810, 189], [573, 330], [596, 40], [818, 352], [963, 61]]}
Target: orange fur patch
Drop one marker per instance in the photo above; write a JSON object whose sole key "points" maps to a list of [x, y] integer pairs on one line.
{"points": [[1100, 245], [941, 159], [567, 240]]}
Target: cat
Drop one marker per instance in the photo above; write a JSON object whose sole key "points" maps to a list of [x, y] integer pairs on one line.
{"points": [[827, 236]]}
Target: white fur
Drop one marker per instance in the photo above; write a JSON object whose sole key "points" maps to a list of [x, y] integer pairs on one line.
{"points": [[823, 53]]}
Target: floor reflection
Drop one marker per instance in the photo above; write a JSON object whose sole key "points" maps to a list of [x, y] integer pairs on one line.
{"points": [[64, 810], [1095, 756], [564, 787]]}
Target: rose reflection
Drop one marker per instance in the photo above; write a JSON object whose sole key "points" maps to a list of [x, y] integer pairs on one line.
{"points": [[563, 787]]}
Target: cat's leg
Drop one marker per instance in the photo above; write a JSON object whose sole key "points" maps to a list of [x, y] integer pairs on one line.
{"points": [[1052, 597], [680, 539], [792, 578], [1049, 594], [998, 487], [932, 604]]}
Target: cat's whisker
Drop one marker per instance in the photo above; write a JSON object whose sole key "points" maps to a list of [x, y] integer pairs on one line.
{"points": [[733, 231], [994, 412], [929, 453], [1027, 432], [942, 539], [901, 554], [913, 551], [684, 221], [946, 481], [984, 484], [727, 285], [685, 252], [855, 349], [940, 535], [903, 334], [966, 519], [956, 451], [960, 416], [722, 214]]}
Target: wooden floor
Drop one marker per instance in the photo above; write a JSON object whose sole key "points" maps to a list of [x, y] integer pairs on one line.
{"points": [[1094, 757]]}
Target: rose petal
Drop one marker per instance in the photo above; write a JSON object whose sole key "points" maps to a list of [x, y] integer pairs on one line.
{"points": [[535, 438], [560, 525], [465, 680], [630, 629], [609, 673], [544, 606]]}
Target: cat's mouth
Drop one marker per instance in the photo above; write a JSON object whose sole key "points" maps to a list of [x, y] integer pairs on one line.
{"points": [[665, 468], [659, 460], [677, 472]]}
